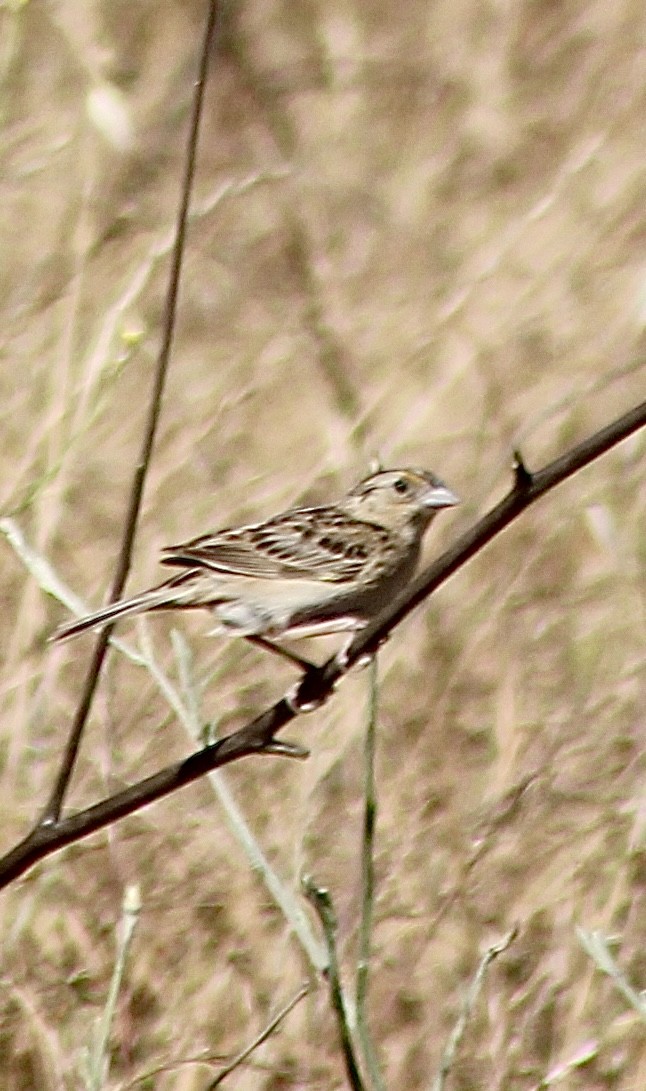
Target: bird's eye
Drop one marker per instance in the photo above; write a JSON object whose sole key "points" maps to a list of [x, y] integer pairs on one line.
{"points": [[401, 486]]}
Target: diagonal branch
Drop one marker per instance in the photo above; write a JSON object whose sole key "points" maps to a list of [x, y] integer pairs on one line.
{"points": [[259, 736]]}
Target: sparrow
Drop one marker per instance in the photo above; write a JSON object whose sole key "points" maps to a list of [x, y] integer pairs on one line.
{"points": [[305, 572]]}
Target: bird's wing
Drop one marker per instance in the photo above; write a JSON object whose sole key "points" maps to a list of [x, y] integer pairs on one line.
{"points": [[321, 543]]}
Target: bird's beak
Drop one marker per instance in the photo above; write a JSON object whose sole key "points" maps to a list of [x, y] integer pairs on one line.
{"points": [[440, 497]]}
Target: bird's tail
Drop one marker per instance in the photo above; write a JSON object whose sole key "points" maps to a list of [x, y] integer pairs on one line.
{"points": [[154, 599]]}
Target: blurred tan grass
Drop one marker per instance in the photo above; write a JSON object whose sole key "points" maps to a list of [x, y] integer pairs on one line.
{"points": [[448, 224]]}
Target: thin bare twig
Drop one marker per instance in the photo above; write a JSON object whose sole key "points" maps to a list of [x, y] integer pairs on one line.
{"points": [[262, 1037], [205, 1058], [55, 803], [448, 1057]]}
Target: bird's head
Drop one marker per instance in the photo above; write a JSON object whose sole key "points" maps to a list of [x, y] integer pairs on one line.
{"points": [[399, 498]]}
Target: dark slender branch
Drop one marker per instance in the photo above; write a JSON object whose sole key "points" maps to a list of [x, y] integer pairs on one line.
{"points": [[52, 810], [54, 806], [258, 737]]}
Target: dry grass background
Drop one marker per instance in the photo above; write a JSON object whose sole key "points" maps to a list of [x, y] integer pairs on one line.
{"points": [[431, 247]]}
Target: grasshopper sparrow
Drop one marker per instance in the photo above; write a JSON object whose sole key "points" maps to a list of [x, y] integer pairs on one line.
{"points": [[306, 572]]}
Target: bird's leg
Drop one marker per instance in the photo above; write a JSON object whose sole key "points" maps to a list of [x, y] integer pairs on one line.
{"points": [[291, 657]]}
